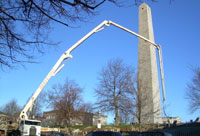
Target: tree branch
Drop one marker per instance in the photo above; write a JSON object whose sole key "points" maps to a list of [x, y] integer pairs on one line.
{"points": [[48, 15]]}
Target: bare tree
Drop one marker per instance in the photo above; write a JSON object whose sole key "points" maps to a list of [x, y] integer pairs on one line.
{"points": [[34, 18], [115, 91], [139, 108], [118, 92], [193, 91], [86, 114], [125, 117], [87, 107], [12, 109], [66, 102]]}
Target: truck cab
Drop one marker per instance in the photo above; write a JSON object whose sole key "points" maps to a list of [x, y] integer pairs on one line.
{"points": [[29, 127]]}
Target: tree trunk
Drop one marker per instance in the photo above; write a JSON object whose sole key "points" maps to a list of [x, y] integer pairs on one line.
{"points": [[116, 116]]}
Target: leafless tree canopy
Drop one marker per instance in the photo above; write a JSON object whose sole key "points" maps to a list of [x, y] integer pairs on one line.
{"points": [[193, 91], [25, 24], [12, 109], [116, 89], [66, 102]]}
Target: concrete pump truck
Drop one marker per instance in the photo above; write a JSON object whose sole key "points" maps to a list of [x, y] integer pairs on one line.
{"points": [[28, 126]]}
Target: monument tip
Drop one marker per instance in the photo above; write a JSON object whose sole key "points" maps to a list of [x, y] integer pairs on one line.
{"points": [[144, 4]]}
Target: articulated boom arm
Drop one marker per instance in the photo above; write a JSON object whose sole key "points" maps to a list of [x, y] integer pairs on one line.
{"points": [[66, 56], [56, 68]]}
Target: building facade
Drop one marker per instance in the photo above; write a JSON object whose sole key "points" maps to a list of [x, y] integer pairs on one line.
{"points": [[3, 121], [85, 119]]}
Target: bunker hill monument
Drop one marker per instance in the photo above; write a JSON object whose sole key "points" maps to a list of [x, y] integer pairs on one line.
{"points": [[148, 83]]}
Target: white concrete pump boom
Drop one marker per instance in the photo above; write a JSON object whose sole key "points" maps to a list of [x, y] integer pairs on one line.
{"points": [[59, 64], [56, 68]]}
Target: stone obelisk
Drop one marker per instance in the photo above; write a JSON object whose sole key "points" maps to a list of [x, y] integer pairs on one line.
{"points": [[149, 107]]}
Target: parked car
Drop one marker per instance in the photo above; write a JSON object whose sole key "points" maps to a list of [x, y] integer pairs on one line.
{"points": [[104, 133], [153, 133], [59, 134], [147, 133]]}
